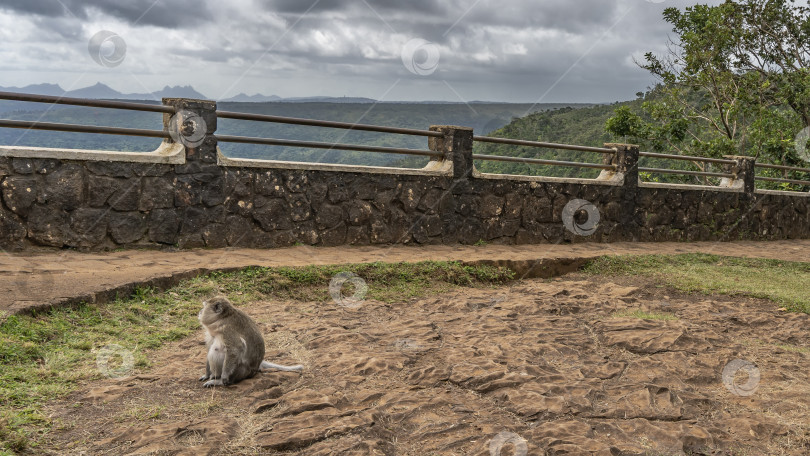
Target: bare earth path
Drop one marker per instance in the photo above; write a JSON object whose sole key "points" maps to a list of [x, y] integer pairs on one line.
{"points": [[545, 364], [33, 280]]}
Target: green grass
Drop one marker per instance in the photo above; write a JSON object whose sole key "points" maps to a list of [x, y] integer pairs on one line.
{"points": [[784, 282], [48, 355], [644, 315]]}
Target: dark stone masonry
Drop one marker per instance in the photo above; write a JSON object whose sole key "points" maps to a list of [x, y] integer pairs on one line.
{"points": [[211, 201]]}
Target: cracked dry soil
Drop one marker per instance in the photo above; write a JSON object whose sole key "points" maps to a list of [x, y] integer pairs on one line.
{"points": [[444, 375]]}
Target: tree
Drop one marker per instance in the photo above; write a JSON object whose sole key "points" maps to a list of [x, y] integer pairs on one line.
{"points": [[735, 81]]}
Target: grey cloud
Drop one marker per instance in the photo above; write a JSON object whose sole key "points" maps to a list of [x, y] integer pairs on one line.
{"points": [[381, 6], [169, 14], [512, 50], [580, 16]]}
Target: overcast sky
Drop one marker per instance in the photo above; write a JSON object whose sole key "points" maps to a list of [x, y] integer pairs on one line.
{"points": [[455, 50]]}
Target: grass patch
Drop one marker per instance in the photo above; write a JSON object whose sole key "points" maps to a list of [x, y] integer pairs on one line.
{"points": [[644, 315], [48, 355], [784, 282]]}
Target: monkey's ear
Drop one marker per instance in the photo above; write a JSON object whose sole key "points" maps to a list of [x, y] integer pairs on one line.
{"points": [[217, 307]]}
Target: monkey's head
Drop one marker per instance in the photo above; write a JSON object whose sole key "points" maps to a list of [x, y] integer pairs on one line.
{"points": [[214, 309]]}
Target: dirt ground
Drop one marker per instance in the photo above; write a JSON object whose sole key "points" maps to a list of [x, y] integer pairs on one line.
{"points": [[31, 280], [538, 368]]}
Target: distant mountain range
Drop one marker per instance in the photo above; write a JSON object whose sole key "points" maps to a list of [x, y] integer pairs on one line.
{"points": [[102, 91], [106, 92]]}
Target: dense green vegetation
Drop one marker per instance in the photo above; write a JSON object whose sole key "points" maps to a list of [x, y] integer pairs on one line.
{"points": [[48, 355], [735, 81], [784, 282], [584, 126]]}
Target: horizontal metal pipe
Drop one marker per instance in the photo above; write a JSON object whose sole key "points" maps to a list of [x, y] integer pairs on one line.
{"points": [[687, 158], [86, 102], [83, 128], [520, 142], [787, 181], [323, 145], [689, 173], [325, 123], [786, 168], [537, 161]]}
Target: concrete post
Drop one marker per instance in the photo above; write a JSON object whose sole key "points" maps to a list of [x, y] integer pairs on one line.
{"points": [[193, 124], [626, 161], [743, 170], [456, 145]]}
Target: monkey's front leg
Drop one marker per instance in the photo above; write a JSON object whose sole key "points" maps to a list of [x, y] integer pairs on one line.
{"points": [[207, 371], [225, 374]]}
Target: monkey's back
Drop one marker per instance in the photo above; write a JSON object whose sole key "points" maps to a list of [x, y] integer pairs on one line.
{"points": [[246, 339]]}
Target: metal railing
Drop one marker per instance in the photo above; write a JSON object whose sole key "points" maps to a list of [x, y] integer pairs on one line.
{"points": [[115, 104], [83, 128], [326, 124], [690, 158], [97, 129], [545, 145], [539, 161], [685, 172], [782, 168], [323, 145], [160, 108], [112, 104]]}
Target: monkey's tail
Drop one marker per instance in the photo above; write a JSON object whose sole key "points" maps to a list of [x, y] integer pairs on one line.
{"points": [[296, 368]]}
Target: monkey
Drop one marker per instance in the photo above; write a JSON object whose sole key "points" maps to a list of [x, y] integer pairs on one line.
{"points": [[234, 343]]}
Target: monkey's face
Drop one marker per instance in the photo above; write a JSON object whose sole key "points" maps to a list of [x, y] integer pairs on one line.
{"points": [[213, 310]]}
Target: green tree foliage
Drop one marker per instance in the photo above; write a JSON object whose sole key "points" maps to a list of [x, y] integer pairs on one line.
{"points": [[735, 82], [583, 126]]}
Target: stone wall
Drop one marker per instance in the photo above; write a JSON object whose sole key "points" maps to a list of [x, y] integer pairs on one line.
{"points": [[195, 197]]}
